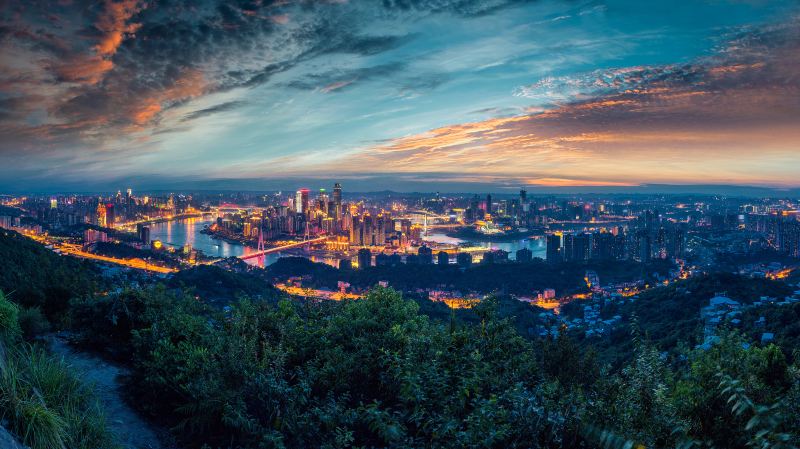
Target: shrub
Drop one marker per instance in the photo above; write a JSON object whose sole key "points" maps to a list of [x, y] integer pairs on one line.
{"points": [[9, 324], [33, 323]]}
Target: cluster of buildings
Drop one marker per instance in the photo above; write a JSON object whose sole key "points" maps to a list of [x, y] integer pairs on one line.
{"points": [[64, 211], [640, 244], [305, 215], [723, 310]]}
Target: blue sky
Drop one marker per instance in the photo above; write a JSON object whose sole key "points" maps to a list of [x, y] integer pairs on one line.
{"points": [[494, 93]]}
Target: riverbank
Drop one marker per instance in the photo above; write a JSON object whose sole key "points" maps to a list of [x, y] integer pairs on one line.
{"points": [[234, 240]]}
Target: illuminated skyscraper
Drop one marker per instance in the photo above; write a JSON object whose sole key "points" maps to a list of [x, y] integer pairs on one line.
{"points": [[110, 217], [101, 215], [322, 201], [301, 201], [129, 202], [337, 201]]}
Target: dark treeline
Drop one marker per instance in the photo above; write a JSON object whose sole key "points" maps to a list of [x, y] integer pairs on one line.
{"points": [[41, 281], [511, 278]]}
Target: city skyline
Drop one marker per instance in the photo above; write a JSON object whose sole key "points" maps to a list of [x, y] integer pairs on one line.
{"points": [[457, 96]]}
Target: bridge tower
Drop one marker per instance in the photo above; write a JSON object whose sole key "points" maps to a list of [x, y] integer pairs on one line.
{"points": [[261, 258], [307, 237]]}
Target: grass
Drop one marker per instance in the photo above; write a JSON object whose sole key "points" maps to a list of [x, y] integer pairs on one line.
{"points": [[42, 401], [47, 406]]}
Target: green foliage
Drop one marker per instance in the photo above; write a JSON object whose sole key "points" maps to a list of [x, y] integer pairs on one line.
{"points": [[767, 424], [33, 323], [9, 321], [781, 320], [377, 372], [109, 322], [218, 286], [372, 372]]}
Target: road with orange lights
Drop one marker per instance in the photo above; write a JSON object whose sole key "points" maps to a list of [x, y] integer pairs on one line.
{"points": [[139, 264], [72, 249]]}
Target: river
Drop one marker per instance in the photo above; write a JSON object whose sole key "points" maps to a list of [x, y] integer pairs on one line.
{"points": [[536, 244], [178, 233]]}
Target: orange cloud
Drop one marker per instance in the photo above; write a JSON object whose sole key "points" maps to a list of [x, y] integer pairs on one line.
{"points": [[688, 128], [190, 85], [114, 27], [146, 111], [84, 69], [565, 182]]}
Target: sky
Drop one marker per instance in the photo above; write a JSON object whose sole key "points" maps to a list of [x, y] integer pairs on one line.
{"points": [[398, 94]]}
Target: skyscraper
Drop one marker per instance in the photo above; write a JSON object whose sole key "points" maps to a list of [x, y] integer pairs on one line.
{"points": [[643, 245], [101, 215], [364, 258], [322, 201], [425, 255], [603, 246], [489, 203], [337, 201], [144, 234], [301, 201], [110, 217], [524, 255], [554, 248], [442, 258]]}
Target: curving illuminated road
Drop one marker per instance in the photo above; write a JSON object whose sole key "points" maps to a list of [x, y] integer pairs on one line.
{"points": [[75, 250], [131, 263]]}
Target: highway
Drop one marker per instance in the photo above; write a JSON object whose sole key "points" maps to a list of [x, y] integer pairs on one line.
{"points": [[72, 249], [130, 263]]}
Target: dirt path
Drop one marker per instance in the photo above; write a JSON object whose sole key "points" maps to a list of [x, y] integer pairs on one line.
{"points": [[131, 430]]}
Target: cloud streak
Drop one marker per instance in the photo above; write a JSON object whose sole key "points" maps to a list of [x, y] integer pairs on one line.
{"points": [[726, 118]]}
